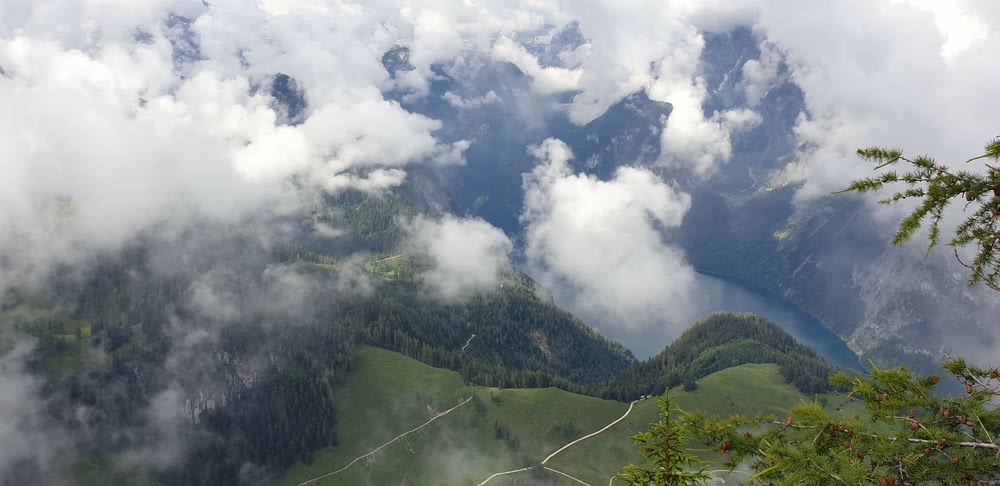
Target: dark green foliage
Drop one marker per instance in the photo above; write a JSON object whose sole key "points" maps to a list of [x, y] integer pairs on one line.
{"points": [[509, 326], [667, 463], [272, 377], [272, 425], [374, 223], [912, 435], [719, 341], [936, 186]]}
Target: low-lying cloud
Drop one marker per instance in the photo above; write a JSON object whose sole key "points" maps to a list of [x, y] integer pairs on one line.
{"points": [[29, 440], [467, 255], [597, 244]]}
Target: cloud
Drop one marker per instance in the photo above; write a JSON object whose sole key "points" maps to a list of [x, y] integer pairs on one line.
{"points": [[598, 244], [545, 79], [457, 101], [692, 141], [175, 121], [907, 74], [108, 133], [124, 119], [467, 255], [30, 442], [760, 75]]}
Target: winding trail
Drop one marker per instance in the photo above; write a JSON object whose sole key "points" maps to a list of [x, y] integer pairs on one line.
{"points": [[606, 427], [512, 471], [400, 436], [385, 259]]}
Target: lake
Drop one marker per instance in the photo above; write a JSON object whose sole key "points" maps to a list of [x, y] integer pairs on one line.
{"points": [[721, 293]]}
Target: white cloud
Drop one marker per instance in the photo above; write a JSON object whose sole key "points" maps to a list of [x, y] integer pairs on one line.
{"points": [[760, 75], [122, 137], [961, 28], [886, 73], [457, 101], [28, 435], [545, 80], [598, 245], [467, 255], [106, 134]]}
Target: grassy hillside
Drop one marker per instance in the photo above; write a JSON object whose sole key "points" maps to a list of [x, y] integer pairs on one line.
{"points": [[387, 394], [747, 389]]}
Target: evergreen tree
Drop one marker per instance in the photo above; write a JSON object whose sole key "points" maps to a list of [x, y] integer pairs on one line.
{"points": [[667, 463], [936, 186], [911, 437]]}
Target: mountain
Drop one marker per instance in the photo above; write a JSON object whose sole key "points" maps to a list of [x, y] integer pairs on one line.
{"points": [[831, 259], [719, 341], [829, 256]]}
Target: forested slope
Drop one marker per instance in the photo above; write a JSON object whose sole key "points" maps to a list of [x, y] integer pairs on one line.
{"points": [[229, 347], [719, 341]]}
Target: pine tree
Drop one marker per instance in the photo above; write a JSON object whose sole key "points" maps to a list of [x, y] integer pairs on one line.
{"points": [[936, 186], [667, 463], [911, 435]]}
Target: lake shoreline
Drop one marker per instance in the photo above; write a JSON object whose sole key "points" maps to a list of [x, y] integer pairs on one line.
{"points": [[755, 288]]}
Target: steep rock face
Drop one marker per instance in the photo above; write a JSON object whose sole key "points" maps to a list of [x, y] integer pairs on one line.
{"points": [[832, 260]]}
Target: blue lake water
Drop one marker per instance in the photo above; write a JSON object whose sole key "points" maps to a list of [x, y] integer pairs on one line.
{"points": [[720, 293]]}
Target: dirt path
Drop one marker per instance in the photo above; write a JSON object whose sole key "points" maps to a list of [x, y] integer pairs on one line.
{"points": [[400, 436], [606, 427], [467, 342], [512, 471], [385, 259]]}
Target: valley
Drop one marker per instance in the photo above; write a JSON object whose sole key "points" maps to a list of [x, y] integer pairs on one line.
{"points": [[424, 243]]}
